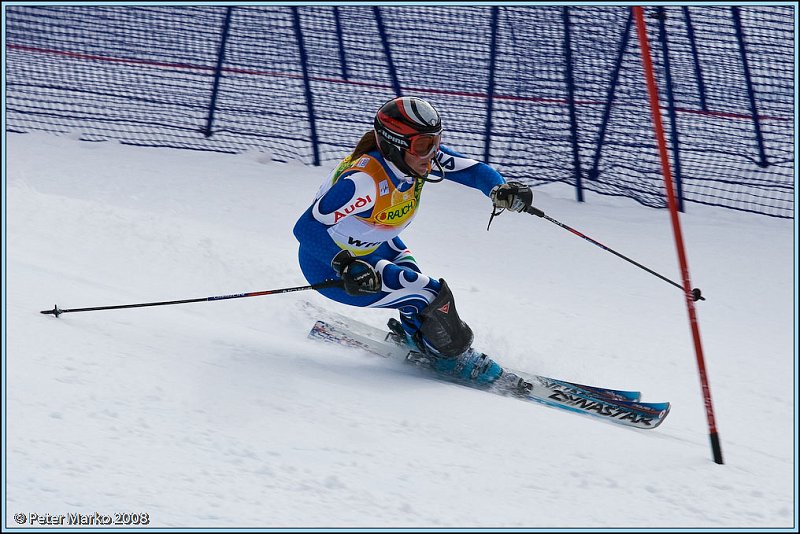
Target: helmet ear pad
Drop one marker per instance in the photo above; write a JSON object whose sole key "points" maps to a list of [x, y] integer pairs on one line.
{"points": [[389, 151], [394, 154]]}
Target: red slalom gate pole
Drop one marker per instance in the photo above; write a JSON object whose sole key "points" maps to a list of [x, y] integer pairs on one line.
{"points": [[658, 127]]}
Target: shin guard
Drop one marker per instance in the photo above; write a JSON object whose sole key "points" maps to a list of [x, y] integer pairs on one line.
{"points": [[442, 328]]}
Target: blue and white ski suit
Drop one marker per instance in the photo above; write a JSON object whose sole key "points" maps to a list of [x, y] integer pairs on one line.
{"points": [[363, 206]]}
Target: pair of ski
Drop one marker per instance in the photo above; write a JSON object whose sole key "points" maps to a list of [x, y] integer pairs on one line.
{"points": [[613, 405]]}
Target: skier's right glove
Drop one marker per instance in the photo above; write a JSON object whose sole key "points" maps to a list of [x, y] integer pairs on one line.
{"points": [[360, 278]]}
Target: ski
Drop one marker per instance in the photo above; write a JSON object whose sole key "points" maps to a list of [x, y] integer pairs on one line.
{"points": [[617, 406], [369, 332], [613, 394]]}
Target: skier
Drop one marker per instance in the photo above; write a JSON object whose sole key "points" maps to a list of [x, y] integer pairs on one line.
{"points": [[351, 231]]}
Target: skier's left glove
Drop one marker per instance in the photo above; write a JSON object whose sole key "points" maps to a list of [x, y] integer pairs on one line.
{"points": [[514, 196], [360, 278]]}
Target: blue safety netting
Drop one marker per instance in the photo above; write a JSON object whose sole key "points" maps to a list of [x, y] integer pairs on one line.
{"points": [[543, 93]]}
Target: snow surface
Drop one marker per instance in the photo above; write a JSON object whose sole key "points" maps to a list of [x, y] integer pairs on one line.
{"points": [[223, 415]]}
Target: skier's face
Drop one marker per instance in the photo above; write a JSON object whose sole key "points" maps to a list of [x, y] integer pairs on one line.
{"points": [[421, 166], [422, 150]]}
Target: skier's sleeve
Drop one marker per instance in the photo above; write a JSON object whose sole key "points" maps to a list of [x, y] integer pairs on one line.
{"points": [[351, 195], [467, 171]]}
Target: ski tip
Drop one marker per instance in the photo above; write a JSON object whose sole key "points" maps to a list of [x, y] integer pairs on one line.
{"points": [[662, 414]]}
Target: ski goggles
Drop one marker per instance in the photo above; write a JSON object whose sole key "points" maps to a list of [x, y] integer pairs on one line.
{"points": [[424, 145]]}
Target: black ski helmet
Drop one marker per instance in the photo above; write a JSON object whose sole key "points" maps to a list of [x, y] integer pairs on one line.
{"points": [[407, 124]]}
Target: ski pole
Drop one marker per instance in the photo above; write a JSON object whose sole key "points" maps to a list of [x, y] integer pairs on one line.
{"points": [[696, 294], [322, 285]]}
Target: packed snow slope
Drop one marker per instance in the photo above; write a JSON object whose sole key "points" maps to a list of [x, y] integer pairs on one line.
{"points": [[223, 414]]}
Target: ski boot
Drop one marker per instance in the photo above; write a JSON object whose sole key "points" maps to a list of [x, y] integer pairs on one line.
{"points": [[446, 342], [398, 335], [470, 365], [485, 369]]}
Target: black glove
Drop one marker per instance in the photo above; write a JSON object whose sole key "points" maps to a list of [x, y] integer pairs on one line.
{"points": [[514, 196], [360, 278]]}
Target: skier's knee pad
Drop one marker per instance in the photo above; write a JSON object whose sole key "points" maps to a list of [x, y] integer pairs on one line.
{"points": [[441, 326]]}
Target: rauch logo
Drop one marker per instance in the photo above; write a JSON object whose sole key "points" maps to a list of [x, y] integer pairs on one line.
{"points": [[396, 214]]}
